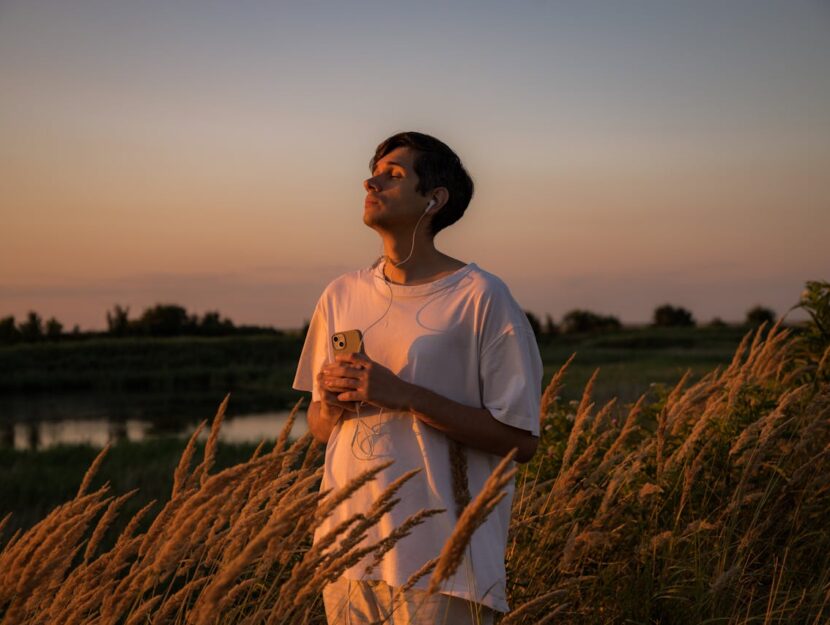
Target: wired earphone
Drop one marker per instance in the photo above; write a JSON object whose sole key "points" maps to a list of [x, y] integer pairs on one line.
{"points": [[366, 444]]}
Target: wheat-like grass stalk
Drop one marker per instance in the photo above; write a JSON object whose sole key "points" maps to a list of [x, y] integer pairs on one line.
{"points": [[201, 472], [553, 387], [474, 514]]}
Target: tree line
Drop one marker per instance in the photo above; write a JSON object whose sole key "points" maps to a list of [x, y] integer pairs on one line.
{"points": [[164, 320], [158, 321], [579, 321]]}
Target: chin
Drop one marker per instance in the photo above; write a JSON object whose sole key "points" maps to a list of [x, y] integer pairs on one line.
{"points": [[372, 219]]}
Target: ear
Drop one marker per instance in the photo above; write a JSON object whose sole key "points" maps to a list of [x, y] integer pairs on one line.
{"points": [[441, 197]]}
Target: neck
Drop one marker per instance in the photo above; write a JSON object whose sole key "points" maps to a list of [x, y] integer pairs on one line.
{"points": [[423, 262]]}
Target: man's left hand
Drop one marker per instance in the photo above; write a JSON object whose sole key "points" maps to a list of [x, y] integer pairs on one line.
{"points": [[366, 381]]}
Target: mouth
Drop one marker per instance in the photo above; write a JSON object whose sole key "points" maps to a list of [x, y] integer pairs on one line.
{"points": [[370, 200]]}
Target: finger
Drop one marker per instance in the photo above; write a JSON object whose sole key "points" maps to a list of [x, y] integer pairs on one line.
{"points": [[344, 372], [345, 377], [331, 399], [352, 357], [338, 384], [348, 396]]}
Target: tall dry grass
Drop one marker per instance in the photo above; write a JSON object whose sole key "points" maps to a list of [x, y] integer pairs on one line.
{"points": [[709, 504], [232, 547]]}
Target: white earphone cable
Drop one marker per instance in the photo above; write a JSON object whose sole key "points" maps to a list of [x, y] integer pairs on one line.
{"points": [[367, 443]]}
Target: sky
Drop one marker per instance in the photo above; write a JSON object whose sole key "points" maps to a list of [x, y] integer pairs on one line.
{"points": [[212, 154]]}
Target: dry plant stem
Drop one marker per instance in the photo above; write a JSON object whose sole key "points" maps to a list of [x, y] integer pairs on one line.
{"points": [[579, 420], [516, 616], [200, 474], [316, 559], [475, 514], [183, 468], [549, 394], [282, 439], [399, 533], [105, 522], [4, 522], [92, 471]]}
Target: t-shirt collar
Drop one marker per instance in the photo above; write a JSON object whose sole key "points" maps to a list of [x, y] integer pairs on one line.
{"points": [[414, 290]]}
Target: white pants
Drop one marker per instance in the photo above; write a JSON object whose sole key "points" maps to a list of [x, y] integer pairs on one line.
{"points": [[350, 602]]}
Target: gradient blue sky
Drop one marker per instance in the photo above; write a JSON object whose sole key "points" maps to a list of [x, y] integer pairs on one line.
{"points": [[626, 154]]}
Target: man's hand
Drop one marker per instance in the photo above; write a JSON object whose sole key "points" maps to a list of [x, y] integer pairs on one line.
{"points": [[329, 398], [358, 378]]}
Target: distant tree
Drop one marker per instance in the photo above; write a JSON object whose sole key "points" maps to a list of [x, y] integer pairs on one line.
{"points": [[551, 329], [717, 322], [577, 321], [118, 321], [304, 331], [758, 314], [192, 325], [8, 331], [535, 325], [54, 329], [213, 325], [164, 320], [31, 329], [668, 315]]}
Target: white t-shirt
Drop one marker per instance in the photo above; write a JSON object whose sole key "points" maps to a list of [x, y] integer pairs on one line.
{"points": [[462, 336]]}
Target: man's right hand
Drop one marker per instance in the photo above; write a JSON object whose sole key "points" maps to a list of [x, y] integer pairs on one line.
{"points": [[326, 412], [329, 398], [331, 404]]}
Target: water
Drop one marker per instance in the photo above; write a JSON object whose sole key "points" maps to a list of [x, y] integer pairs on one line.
{"points": [[41, 422]]}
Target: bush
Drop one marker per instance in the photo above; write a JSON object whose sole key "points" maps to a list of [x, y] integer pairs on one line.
{"points": [[668, 315], [579, 321], [757, 315]]}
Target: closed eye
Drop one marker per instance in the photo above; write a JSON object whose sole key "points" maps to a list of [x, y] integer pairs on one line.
{"points": [[391, 175]]}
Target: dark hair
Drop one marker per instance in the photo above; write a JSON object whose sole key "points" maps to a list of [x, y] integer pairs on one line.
{"points": [[437, 166]]}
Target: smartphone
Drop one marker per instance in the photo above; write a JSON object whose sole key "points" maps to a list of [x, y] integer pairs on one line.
{"points": [[347, 342]]}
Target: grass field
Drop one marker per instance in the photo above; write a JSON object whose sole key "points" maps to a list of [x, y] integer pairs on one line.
{"points": [[266, 364], [32, 483], [705, 501]]}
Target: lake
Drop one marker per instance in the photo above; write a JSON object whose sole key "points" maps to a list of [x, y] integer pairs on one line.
{"points": [[41, 421]]}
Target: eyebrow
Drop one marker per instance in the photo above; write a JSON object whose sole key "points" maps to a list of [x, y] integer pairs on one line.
{"points": [[389, 163]]}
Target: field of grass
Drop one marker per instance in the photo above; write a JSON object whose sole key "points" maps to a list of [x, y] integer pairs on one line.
{"points": [[35, 482], [630, 362], [264, 366], [154, 365], [707, 501]]}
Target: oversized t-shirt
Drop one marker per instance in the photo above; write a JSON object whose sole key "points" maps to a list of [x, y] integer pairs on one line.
{"points": [[462, 336]]}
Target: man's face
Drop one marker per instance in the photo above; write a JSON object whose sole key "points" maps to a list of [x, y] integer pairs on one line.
{"points": [[391, 198]]}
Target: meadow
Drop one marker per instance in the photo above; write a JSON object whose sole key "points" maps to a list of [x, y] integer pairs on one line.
{"points": [[196, 372], [703, 500], [631, 362]]}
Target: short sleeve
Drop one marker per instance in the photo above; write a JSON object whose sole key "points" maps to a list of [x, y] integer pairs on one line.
{"points": [[315, 353], [510, 369]]}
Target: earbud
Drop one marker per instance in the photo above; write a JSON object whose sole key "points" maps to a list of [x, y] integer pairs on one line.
{"points": [[430, 205]]}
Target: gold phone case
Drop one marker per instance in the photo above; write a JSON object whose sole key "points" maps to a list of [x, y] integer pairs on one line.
{"points": [[347, 342]]}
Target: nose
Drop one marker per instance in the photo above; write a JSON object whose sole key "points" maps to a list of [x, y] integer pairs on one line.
{"points": [[371, 184]]}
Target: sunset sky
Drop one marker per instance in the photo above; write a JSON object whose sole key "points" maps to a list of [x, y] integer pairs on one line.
{"points": [[626, 154]]}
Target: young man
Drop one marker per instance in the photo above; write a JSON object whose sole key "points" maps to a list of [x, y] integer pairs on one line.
{"points": [[450, 368]]}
